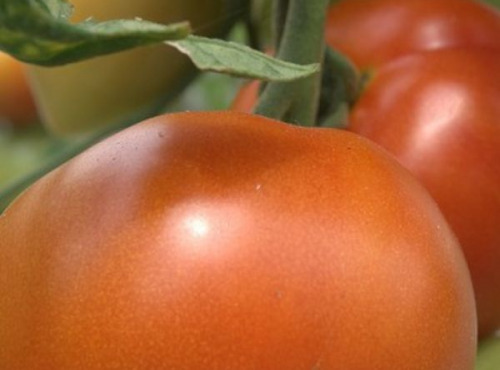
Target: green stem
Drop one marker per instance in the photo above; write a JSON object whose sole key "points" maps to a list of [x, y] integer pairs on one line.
{"points": [[280, 9], [302, 43]]}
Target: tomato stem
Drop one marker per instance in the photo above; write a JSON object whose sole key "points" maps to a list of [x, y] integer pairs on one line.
{"points": [[280, 10], [302, 42]]}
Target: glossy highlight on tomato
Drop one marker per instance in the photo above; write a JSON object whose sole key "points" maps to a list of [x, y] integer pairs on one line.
{"points": [[226, 240], [372, 32], [438, 113]]}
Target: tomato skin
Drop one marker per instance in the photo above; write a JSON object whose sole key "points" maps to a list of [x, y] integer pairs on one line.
{"points": [[16, 102], [226, 240], [438, 113], [372, 32], [124, 87]]}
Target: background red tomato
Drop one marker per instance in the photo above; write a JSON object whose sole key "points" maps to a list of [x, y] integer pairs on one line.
{"points": [[224, 240], [246, 97], [439, 112], [372, 32]]}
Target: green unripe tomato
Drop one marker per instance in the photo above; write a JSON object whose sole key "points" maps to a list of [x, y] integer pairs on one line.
{"points": [[89, 95]]}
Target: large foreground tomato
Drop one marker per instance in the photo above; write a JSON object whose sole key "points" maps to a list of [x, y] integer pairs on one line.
{"points": [[88, 95], [372, 32], [16, 103], [439, 113], [230, 241]]}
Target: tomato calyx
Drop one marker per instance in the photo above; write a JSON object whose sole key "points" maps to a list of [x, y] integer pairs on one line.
{"points": [[340, 88], [341, 85]]}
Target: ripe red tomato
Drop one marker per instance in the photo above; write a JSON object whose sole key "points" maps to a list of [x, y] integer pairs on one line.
{"points": [[230, 241], [438, 112], [16, 102], [372, 32]]}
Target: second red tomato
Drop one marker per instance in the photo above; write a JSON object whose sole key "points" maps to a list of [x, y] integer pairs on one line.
{"points": [[438, 112], [372, 32]]}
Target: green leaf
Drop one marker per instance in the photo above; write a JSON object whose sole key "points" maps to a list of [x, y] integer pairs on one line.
{"points": [[39, 32], [488, 356], [239, 60], [59, 8]]}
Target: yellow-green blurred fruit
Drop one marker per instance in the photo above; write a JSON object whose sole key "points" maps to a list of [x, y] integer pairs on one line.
{"points": [[16, 102], [88, 95]]}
